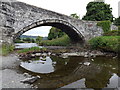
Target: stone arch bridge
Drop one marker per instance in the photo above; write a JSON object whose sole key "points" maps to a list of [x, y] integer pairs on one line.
{"points": [[17, 17]]}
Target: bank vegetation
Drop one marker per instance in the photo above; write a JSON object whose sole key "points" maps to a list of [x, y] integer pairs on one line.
{"points": [[6, 49]]}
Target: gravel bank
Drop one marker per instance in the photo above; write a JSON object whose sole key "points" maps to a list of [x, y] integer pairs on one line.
{"points": [[8, 76]]}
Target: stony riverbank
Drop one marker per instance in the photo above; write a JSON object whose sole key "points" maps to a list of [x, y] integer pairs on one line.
{"points": [[9, 76], [65, 53]]}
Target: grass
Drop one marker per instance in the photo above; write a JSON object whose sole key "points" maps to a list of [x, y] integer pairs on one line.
{"points": [[0, 50], [112, 33], [62, 41], [6, 49], [32, 49], [105, 25], [108, 43]]}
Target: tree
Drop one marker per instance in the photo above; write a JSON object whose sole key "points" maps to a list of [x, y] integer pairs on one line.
{"points": [[117, 21], [38, 39], [27, 39], [98, 11], [55, 33], [75, 16], [32, 40]]}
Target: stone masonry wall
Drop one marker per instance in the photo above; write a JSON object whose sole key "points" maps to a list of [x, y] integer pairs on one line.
{"points": [[15, 16]]}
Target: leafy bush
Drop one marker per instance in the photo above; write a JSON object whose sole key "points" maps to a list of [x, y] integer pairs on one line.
{"points": [[74, 15], [32, 49], [95, 42], [105, 25], [39, 39], [112, 33], [62, 41], [18, 41], [108, 43]]}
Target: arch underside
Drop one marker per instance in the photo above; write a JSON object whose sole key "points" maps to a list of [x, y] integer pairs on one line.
{"points": [[69, 29]]}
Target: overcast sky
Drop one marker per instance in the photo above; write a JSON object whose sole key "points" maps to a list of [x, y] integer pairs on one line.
{"points": [[65, 7]]}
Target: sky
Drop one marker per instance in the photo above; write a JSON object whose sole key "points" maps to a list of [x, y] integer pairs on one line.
{"points": [[66, 7]]}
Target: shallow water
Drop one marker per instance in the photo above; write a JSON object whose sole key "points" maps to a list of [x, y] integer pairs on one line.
{"points": [[26, 45], [39, 66], [55, 72]]}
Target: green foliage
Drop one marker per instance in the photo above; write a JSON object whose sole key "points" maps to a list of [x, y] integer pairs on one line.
{"points": [[118, 27], [18, 41], [6, 49], [62, 41], [27, 39], [98, 11], [55, 33], [105, 25], [117, 21], [112, 33], [39, 39], [32, 49], [32, 40], [108, 43], [75, 16], [24, 40]]}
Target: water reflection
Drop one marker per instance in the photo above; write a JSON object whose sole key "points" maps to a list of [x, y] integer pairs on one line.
{"points": [[39, 66], [100, 73], [113, 81]]}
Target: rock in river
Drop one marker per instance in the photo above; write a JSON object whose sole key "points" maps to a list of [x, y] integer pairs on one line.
{"points": [[87, 63], [30, 80], [27, 75]]}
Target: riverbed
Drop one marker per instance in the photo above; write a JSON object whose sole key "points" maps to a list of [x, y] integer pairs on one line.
{"points": [[59, 72]]}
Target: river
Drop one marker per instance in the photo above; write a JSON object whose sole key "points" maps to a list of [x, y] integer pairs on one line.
{"points": [[26, 45], [71, 72]]}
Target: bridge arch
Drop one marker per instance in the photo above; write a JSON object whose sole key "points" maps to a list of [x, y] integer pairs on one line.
{"points": [[74, 34]]}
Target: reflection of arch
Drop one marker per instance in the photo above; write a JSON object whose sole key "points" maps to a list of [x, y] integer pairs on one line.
{"points": [[66, 27]]}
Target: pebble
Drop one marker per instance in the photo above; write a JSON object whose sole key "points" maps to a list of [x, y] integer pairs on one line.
{"points": [[44, 54], [38, 54], [115, 57], [87, 63], [12, 81], [80, 63], [113, 68], [30, 80], [92, 59], [26, 75], [49, 53], [85, 55]]}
